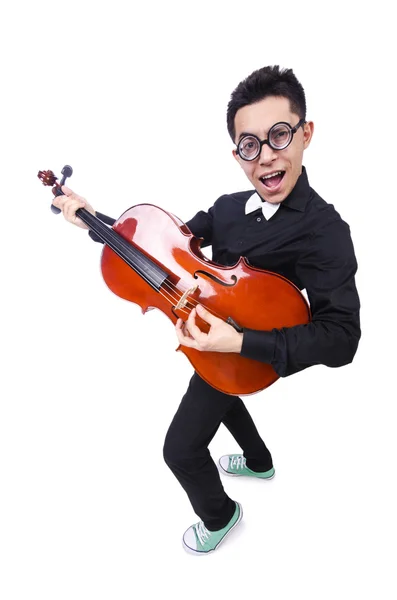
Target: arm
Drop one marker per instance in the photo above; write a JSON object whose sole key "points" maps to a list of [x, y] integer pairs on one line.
{"points": [[201, 226], [327, 272], [70, 202]]}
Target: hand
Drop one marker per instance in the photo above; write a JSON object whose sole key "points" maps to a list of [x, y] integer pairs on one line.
{"points": [[71, 202], [220, 338]]}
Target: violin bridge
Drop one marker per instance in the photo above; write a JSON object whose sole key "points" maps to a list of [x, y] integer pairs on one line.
{"points": [[182, 302]]}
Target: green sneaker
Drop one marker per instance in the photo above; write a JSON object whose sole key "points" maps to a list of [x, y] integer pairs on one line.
{"points": [[199, 540], [234, 464]]}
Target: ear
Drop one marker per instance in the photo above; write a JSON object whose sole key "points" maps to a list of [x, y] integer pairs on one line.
{"points": [[308, 130], [236, 156]]}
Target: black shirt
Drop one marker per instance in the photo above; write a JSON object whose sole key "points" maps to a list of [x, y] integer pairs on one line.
{"points": [[307, 242]]}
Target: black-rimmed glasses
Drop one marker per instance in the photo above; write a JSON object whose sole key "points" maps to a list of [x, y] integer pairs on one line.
{"points": [[279, 137]]}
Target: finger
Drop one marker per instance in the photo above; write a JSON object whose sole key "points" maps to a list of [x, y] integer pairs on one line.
{"points": [[70, 209], [194, 330], [59, 201], [186, 332], [67, 191], [183, 339], [181, 326], [204, 314], [70, 194]]}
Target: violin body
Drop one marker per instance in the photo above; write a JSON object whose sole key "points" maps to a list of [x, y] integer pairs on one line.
{"points": [[242, 295], [151, 258]]}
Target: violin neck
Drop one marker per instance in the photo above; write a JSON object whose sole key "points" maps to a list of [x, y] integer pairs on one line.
{"points": [[93, 223], [130, 254]]}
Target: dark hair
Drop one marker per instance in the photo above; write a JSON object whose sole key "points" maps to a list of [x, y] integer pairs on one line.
{"points": [[268, 81]]}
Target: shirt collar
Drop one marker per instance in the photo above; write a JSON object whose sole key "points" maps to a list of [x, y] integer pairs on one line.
{"points": [[300, 195], [255, 201], [296, 200]]}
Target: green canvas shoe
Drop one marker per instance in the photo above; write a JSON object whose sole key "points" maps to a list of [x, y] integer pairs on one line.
{"points": [[199, 540], [234, 464]]}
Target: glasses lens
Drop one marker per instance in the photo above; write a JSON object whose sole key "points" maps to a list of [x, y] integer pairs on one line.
{"points": [[280, 136], [248, 147]]}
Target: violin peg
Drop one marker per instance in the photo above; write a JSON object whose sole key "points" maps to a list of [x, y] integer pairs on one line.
{"points": [[48, 178]]}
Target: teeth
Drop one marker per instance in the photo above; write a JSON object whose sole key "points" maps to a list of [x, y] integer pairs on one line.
{"points": [[271, 175]]}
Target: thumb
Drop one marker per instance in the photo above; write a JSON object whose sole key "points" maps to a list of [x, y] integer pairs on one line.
{"points": [[67, 191], [205, 314]]}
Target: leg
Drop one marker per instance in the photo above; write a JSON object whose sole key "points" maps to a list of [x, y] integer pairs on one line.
{"points": [[186, 452], [240, 424]]}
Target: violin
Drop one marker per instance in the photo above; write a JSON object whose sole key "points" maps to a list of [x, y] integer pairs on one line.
{"points": [[151, 258]]}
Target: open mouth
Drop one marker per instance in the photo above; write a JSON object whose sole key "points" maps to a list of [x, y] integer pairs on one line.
{"points": [[273, 180]]}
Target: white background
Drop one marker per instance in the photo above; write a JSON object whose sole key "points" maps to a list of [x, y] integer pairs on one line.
{"points": [[134, 97]]}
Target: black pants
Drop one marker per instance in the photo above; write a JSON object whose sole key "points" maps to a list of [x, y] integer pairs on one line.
{"points": [[186, 452]]}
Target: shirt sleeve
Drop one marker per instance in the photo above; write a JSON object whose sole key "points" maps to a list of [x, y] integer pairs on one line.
{"points": [[105, 219], [201, 226], [327, 271]]}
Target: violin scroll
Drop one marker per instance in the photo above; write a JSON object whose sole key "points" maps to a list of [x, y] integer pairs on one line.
{"points": [[49, 178]]}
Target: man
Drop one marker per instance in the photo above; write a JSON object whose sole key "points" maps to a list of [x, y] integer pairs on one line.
{"points": [[282, 226]]}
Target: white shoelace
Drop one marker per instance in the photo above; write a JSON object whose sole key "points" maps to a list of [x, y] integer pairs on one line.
{"points": [[202, 532], [237, 462]]}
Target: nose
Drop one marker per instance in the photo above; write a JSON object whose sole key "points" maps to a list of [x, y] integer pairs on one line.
{"points": [[267, 155]]}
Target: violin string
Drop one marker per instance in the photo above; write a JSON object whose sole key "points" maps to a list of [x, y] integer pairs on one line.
{"points": [[177, 290], [189, 300], [180, 290], [182, 310], [193, 303], [152, 272], [174, 289], [168, 295]]}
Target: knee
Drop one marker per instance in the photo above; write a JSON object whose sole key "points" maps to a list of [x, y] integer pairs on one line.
{"points": [[180, 453], [172, 451]]}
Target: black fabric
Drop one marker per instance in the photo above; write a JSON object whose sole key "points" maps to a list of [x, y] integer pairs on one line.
{"points": [[195, 423], [307, 242], [104, 219]]}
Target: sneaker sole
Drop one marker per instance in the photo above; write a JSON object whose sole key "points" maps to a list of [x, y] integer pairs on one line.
{"points": [[197, 552], [222, 470]]}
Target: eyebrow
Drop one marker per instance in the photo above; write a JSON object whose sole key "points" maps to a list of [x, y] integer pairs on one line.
{"points": [[244, 133]]}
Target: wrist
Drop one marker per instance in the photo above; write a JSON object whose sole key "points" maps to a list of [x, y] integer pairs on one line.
{"points": [[239, 342]]}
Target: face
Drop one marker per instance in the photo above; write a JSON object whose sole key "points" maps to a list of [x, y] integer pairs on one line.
{"points": [[286, 165]]}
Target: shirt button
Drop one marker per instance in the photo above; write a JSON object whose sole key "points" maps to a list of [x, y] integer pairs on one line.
{"points": [[259, 219]]}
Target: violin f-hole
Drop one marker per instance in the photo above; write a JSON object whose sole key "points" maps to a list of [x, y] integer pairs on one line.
{"points": [[216, 279]]}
